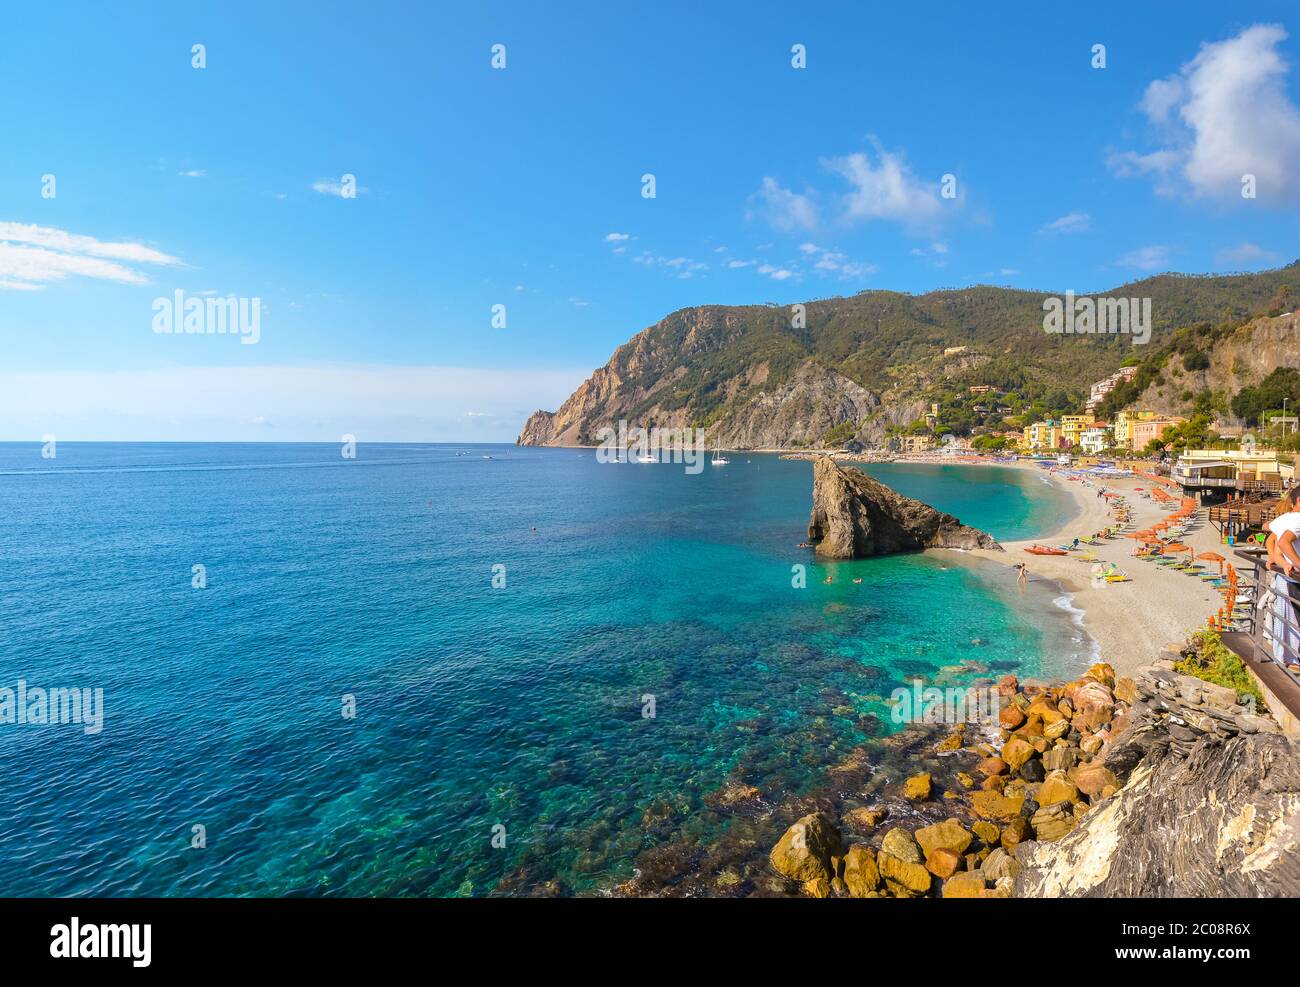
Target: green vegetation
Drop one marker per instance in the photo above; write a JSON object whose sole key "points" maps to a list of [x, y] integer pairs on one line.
{"points": [[1213, 662], [878, 338], [1251, 402], [840, 434]]}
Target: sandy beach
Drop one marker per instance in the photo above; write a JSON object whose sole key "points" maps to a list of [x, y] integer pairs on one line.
{"points": [[1130, 621]]}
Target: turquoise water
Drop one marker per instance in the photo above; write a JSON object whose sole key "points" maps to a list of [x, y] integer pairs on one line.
{"points": [[476, 707]]}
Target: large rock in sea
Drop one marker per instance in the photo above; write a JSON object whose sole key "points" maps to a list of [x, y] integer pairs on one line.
{"points": [[854, 516], [804, 853], [1224, 823]]}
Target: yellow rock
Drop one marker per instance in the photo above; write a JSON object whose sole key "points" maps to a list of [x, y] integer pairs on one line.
{"points": [[861, 875], [818, 887], [987, 832], [947, 835], [913, 877], [918, 786], [995, 805], [1057, 788], [1016, 752], [1103, 673], [968, 884]]}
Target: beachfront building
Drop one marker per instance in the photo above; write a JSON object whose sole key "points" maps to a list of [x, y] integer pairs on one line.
{"points": [[1151, 430], [1096, 437], [1123, 427], [1042, 437], [1072, 428], [917, 443], [1099, 390], [1236, 470]]}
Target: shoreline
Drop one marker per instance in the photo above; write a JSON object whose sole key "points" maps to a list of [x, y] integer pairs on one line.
{"points": [[1131, 621]]}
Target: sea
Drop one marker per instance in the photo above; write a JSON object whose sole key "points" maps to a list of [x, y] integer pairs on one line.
{"points": [[457, 670]]}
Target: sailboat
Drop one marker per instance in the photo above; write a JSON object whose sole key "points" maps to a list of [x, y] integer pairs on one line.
{"points": [[718, 460]]}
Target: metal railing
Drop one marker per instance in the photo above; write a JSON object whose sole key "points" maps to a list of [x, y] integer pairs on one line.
{"points": [[1274, 620]]}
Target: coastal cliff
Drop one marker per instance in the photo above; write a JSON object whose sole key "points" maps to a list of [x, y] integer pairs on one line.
{"points": [[867, 367], [854, 516]]}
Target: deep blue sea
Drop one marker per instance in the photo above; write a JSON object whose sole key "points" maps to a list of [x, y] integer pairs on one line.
{"points": [[514, 711]]}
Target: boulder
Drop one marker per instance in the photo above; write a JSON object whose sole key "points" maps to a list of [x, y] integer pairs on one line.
{"points": [[968, 884], [855, 516], [1015, 832], [1010, 718], [999, 864], [947, 835], [987, 832], [1103, 673], [1051, 822], [863, 818], [861, 875], [991, 766], [804, 852], [1016, 752], [943, 863], [899, 843], [818, 887], [917, 787], [1091, 778], [994, 805], [1057, 788], [911, 876]]}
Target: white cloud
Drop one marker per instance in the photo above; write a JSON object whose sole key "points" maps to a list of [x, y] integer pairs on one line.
{"points": [[579, 302], [886, 190], [1224, 114], [33, 256], [617, 237], [741, 263], [1146, 258], [782, 208], [1245, 255], [193, 173], [1074, 222], [334, 186]]}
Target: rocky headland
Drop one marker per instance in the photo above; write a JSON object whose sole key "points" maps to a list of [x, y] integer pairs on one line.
{"points": [[855, 516]]}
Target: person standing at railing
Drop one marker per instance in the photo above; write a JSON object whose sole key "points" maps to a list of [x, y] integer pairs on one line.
{"points": [[1284, 553]]}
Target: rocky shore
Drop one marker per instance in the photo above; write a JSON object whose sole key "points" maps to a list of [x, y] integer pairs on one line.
{"points": [[1153, 784]]}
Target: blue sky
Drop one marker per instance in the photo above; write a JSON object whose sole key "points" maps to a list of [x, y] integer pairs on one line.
{"points": [[522, 187]]}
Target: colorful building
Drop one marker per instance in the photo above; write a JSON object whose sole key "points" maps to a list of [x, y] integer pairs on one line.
{"points": [[1151, 430], [1096, 437], [1042, 437], [1072, 427]]}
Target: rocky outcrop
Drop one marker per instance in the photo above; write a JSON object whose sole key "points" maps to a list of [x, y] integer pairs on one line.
{"points": [[539, 430], [854, 516], [1210, 803], [1222, 822]]}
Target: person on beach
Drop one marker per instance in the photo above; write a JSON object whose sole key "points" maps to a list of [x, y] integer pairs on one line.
{"points": [[1023, 578], [1284, 553]]}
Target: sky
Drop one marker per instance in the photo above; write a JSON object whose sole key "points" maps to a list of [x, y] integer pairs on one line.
{"points": [[440, 245]]}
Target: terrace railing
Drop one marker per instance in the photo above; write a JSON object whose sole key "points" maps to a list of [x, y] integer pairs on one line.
{"points": [[1274, 621]]}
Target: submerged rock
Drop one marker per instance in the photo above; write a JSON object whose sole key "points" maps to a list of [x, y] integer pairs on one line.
{"points": [[854, 516]]}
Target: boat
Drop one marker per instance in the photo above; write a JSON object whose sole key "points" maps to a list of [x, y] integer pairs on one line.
{"points": [[645, 459], [1044, 550], [719, 460]]}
